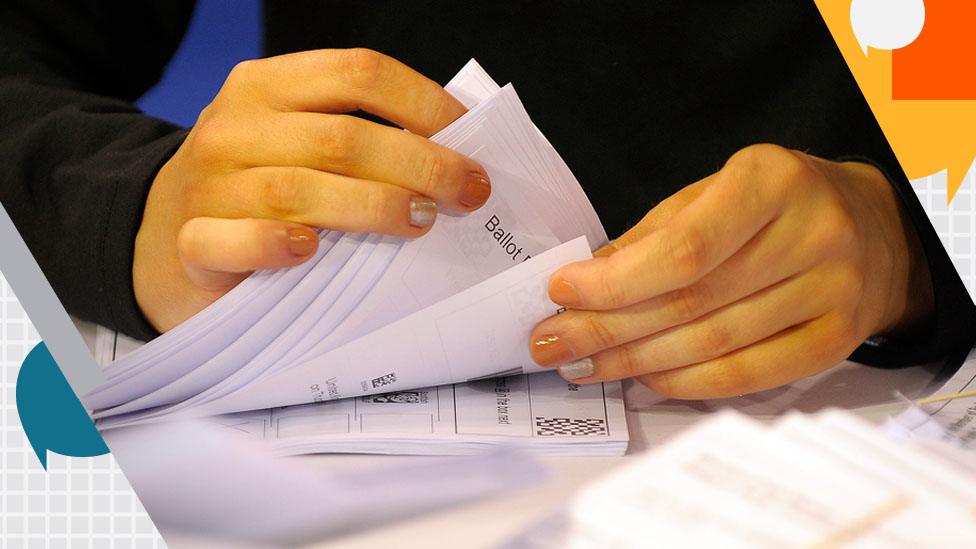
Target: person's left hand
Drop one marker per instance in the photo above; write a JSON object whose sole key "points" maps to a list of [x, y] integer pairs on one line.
{"points": [[772, 269]]}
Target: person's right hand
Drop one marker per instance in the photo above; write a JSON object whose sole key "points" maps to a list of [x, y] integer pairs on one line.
{"points": [[271, 157]]}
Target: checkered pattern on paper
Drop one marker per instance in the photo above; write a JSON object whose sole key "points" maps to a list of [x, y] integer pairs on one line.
{"points": [[955, 223], [83, 503]]}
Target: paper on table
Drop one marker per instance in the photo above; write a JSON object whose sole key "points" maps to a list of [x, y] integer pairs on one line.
{"points": [[536, 203], [357, 285], [730, 482], [542, 414]]}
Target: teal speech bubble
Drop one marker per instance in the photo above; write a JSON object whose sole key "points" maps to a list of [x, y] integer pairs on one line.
{"points": [[50, 412]]}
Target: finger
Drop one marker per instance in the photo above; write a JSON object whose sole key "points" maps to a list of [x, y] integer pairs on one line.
{"points": [[793, 354], [705, 233], [347, 80], [362, 149], [733, 327], [218, 253], [658, 217], [319, 199], [771, 257]]}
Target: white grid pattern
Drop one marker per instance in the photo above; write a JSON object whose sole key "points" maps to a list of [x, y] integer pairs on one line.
{"points": [[955, 223], [83, 503]]}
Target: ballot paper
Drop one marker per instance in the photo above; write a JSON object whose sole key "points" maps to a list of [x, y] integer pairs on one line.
{"points": [[827, 480], [371, 314], [539, 414]]}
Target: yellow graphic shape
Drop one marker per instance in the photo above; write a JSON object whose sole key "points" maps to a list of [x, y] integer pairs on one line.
{"points": [[926, 136]]}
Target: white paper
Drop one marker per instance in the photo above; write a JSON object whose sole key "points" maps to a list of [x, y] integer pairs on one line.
{"points": [[335, 322], [823, 481]]}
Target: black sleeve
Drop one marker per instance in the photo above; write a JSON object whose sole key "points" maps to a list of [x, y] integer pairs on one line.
{"points": [[951, 331], [78, 158]]}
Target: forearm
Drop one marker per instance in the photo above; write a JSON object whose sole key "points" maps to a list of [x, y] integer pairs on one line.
{"points": [[78, 156]]}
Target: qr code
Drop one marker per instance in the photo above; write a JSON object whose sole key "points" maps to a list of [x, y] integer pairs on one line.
{"points": [[402, 397], [569, 427], [382, 381]]}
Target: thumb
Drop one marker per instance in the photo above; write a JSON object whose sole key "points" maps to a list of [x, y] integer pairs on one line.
{"points": [[218, 253], [659, 216]]}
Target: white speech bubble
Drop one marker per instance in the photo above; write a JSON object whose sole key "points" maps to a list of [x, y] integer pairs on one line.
{"points": [[887, 24]]}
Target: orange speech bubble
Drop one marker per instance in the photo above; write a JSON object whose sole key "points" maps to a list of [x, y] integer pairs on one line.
{"points": [[919, 94]]}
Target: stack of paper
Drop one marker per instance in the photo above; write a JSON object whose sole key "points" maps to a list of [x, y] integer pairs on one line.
{"points": [[370, 314], [540, 414], [828, 480]]}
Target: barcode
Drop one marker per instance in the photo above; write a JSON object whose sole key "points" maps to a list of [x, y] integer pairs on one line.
{"points": [[402, 397], [381, 381], [569, 427]]}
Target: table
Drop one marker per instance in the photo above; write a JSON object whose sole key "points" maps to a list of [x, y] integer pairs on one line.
{"points": [[870, 393]]}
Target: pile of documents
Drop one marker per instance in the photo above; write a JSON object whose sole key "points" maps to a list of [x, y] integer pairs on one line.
{"points": [[371, 314], [827, 480]]}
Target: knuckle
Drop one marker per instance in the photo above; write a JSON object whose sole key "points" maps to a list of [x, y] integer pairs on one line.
{"points": [[730, 378], [688, 303], [432, 171], [186, 239], [837, 230], [759, 153], [623, 361], [378, 209], [599, 336], [258, 247], [713, 340], [688, 254], [660, 383], [611, 294], [243, 71], [362, 66], [440, 109], [281, 192], [782, 168], [210, 139], [341, 137], [748, 159], [794, 172]]}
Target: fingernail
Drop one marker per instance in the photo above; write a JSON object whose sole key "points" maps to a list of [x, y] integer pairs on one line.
{"points": [[563, 293], [423, 212], [476, 191], [302, 241], [550, 350], [576, 370]]}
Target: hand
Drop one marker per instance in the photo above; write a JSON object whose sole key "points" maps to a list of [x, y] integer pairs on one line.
{"points": [[772, 269], [270, 157]]}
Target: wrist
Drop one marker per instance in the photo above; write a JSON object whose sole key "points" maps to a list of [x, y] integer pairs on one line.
{"points": [[894, 253]]}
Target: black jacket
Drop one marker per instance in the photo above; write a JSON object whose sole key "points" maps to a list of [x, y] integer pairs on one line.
{"points": [[640, 98]]}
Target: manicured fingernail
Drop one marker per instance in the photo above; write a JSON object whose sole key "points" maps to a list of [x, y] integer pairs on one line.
{"points": [[550, 350], [563, 293], [423, 212], [476, 191], [576, 370], [302, 241]]}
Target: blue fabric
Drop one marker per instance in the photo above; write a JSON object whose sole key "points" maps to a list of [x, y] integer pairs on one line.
{"points": [[221, 34]]}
